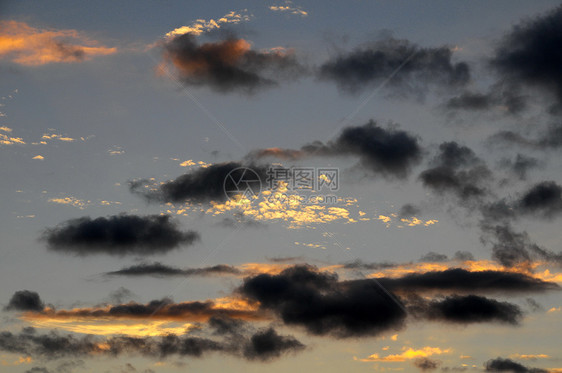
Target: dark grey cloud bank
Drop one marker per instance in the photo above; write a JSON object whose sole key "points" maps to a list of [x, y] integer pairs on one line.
{"points": [[507, 365], [161, 270], [229, 65], [388, 152], [263, 345], [461, 280], [201, 185], [322, 305], [118, 235], [404, 66]]}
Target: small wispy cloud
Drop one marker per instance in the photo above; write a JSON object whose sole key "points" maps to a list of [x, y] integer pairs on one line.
{"points": [[201, 26], [289, 8]]}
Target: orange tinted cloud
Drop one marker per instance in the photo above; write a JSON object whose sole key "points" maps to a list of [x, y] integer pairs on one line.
{"points": [[228, 52], [408, 354], [31, 46], [531, 269], [156, 310]]}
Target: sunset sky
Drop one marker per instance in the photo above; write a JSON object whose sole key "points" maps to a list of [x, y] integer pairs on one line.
{"points": [[400, 176]]}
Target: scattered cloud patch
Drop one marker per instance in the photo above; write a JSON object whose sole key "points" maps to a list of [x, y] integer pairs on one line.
{"points": [[30, 46]]}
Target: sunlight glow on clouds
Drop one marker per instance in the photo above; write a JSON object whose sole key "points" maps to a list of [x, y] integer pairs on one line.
{"points": [[201, 26], [26, 45], [288, 7], [408, 354]]}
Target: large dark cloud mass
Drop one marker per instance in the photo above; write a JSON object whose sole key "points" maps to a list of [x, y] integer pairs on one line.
{"points": [[404, 66], [529, 54], [386, 151], [228, 65], [302, 296], [118, 235], [25, 300], [506, 365], [201, 185], [457, 170], [161, 270], [323, 305]]}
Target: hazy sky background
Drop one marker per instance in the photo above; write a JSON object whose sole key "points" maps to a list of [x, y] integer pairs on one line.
{"points": [[442, 117]]}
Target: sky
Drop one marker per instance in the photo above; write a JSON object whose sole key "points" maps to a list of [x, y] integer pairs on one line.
{"points": [[283, 185]]}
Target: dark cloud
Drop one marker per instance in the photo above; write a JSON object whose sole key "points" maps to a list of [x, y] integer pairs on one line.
{"points": [[528, 55], [520, 166], [546, 138], [25, 300], [120, 295], [161, 270], [286, 259], [317, 301], [463, 256], [38, 370], [512, 248], [224, 325], [544, 198], [360, 265], [434, 257], [457, 170], [228, 65], [239, 220], [118, 235], [408, 211], [164, 309], [261, 346], [470, 101], [267, 344], [386, 151], [457, 279], [506, 365], [424, 364], [201, 185], [404, 67], [472, 309], [500, 96], [534, 305]]}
